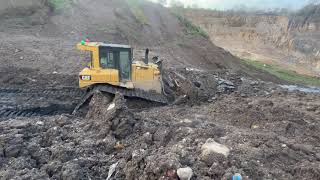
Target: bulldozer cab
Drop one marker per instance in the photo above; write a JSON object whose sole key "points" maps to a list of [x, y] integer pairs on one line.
{"points": [[116, 57], [110, 63]]}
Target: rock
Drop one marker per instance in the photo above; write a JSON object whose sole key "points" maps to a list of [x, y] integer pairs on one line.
{"points": [[147, 137], [185, 173], [243, 95], [225, 86], [254, 126], [213, 147], [197, 84], [283, 145], [40, 123], [254, 83]]}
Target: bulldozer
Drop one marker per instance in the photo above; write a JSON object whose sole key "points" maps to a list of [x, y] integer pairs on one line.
{"points": [[111, 69]]}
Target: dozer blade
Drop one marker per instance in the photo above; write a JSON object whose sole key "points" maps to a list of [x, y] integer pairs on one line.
{"points": [[134, 93]]}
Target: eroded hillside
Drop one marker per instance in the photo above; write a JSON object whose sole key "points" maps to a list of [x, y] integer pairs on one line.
{"points": [[291, 41]]}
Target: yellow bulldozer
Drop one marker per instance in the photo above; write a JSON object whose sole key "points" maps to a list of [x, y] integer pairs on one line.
{"points": [[111, 69]]}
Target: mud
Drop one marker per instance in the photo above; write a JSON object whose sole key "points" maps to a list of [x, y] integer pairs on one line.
{"points": [[270, 133], [219, 122]]}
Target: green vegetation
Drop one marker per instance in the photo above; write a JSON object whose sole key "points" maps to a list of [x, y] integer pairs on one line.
{"points": [[136, 9], [192, 29], [59, 5], [287, 75]]}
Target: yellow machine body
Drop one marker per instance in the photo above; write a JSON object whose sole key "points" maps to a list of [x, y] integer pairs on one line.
{"points": [[112, 64]]}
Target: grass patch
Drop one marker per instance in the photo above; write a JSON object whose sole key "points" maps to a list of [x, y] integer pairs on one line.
{"points": [[59, 5], [192, 29], [287, 75], [137, 11]]}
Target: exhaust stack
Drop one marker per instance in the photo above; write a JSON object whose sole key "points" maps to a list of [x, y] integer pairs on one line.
{"points": [[146, 57]]}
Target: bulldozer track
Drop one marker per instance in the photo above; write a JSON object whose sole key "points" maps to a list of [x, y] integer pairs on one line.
{"points": [[35, 112], [132, 93], [10, 108], [49, 91]]}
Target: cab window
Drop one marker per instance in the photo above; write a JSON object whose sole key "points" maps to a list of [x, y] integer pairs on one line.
{"points": [[107, 59]]}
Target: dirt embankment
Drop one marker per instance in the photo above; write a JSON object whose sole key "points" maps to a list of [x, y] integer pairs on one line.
{"points": [[288, 41]]}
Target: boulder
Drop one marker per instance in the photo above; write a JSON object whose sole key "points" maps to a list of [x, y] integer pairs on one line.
{"points": [[185, 173], [213, 147]]}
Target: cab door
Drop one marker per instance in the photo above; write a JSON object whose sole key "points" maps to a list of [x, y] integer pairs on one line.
{"points": [[125, 65]]}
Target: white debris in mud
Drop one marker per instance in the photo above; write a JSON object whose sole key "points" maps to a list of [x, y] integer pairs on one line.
{"points": [[185, 173], [283, 145], [194, 69], [112, 169], [187, 121], [213, 147], [111, 106], [40, 123]]}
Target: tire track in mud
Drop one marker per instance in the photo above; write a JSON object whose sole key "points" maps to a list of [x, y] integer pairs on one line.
{"points": [[55, 99]]}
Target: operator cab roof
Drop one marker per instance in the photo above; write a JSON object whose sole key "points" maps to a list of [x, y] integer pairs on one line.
{"points": [[89, 45], [115, 45]]}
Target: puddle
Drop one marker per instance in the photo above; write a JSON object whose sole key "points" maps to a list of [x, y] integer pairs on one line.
{"points": [[302, 89]]}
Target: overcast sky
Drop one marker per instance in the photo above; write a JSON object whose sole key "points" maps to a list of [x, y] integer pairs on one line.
{"points": [[256, 4]]}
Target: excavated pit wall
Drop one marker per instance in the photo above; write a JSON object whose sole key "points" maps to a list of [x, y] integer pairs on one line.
{"points": [[294, 38]]}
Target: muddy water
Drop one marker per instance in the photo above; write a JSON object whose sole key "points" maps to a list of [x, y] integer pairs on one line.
{"points": [[302, 89]]}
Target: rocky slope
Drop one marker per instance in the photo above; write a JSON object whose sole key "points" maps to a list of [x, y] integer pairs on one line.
{"points": [[291, 41]]}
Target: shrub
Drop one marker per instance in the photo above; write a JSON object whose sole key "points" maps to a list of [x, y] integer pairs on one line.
{"points": [[191, 28], [137, 11]]}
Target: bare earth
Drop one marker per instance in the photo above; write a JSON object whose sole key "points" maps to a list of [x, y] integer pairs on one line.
{"points": [[262, 131]]}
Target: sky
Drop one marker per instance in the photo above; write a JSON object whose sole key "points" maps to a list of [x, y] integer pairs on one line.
{"points": [[254, 4]]}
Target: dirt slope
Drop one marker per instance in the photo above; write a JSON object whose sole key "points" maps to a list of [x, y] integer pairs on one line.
{"points": [[46, 42]]}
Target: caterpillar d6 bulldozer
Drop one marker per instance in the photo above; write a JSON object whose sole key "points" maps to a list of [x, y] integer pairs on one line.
{"points": [[112, 69]]}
